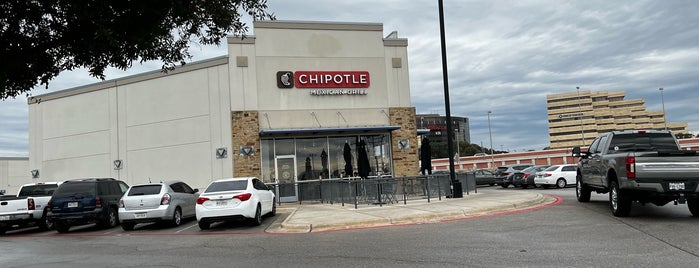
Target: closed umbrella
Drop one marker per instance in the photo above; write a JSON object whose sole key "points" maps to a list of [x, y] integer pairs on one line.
{"points": [[324, 160], [309, 170], [363, 167], [347, 154], [426, 157]]}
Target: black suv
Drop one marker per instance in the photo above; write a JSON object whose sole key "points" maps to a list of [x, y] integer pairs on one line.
{"points": [[85, 201]]}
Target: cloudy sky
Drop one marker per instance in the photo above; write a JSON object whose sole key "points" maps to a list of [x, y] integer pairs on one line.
{"points": [[504, 56]]}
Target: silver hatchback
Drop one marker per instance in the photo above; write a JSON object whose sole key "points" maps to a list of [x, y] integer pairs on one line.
{"points": [[169, 201]]}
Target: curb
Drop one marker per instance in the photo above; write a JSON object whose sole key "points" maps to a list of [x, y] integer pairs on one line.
{"points": [[427, 217]]}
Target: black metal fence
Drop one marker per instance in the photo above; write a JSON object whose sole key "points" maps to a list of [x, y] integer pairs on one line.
{"points": [[373, 190]]}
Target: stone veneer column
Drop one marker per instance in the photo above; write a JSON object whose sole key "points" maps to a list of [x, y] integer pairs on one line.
{"points": [[405, 162], [245, 131]]}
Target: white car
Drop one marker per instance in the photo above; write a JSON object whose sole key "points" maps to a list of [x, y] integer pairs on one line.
{"points": [[557, 175], [234, 199]]}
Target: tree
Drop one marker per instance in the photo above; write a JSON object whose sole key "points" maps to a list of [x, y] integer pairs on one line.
{"points": [[41, 38]]}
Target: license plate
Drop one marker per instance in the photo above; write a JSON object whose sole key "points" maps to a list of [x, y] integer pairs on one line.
{"points": [[72, 204], [5, 218], [676, 186], [221, 203], [139, 215]]}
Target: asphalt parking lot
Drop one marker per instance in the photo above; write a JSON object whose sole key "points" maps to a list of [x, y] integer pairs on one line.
{"points": [[188, 227]]}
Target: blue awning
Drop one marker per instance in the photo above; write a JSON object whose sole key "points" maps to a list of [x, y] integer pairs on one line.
{"points": [[270, 132], [423, 131]]}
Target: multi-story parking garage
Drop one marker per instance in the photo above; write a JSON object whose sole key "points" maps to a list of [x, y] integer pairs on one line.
{"points": [[576, 118]]}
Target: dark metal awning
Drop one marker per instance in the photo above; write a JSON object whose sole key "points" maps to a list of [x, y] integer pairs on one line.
{"points": [[270, 132], [423, 131]]}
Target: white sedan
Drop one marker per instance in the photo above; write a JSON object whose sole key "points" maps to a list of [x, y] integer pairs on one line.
{"points": [[234, 199], [557, 175]]}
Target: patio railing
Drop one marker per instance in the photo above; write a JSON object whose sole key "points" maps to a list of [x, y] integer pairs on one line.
{"points": [[373, 190]]}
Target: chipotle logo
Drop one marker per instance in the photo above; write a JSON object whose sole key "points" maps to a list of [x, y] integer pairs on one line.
{"points": [[323, 79]]}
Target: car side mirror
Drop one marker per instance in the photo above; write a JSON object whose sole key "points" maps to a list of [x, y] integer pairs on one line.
{"points": [[576, 151], [196, 190]]}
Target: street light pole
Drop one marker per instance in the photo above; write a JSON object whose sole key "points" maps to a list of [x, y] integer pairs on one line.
{"points": [[490, 133], [662, 97], [582, 127]]}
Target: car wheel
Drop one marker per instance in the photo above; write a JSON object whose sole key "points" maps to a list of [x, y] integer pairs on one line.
{"points": [[45, 223], [176, 218], [61, 227], [491, 184], [560, 183], [111, 219], [582, 192], [618, 201], [693, 205], [204, 225], [504, 185], [257, 220], [524, 186], [3, 230], [127, 226]]}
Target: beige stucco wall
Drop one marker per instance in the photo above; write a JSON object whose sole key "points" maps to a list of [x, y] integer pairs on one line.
{"points": [[161, 126], [14, 172]]}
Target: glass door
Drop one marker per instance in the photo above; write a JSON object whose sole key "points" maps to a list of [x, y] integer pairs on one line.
{"points": [[285, 166]]}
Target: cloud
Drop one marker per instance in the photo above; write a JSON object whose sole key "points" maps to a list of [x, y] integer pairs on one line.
{"points": [[503, 56]]}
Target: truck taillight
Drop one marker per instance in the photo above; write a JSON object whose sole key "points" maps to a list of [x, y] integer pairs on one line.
{"points": [[48, 205], [630, 167], [98, 202], [165, 199], [30, 204], [121, 203]]}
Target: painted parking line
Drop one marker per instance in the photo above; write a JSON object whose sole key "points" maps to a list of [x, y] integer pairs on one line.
{"points": [[186, 228]]}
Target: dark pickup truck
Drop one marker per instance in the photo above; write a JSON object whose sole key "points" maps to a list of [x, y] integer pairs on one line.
{"points": [[647, 166]]}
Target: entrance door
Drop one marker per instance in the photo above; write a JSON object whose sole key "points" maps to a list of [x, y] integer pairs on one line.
{"points": [[285, 166]]}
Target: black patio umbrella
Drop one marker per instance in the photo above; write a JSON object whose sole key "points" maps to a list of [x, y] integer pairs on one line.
{"points": [[309, 170], [425, 157], [324, 160], [363, 167], [347, 154]]}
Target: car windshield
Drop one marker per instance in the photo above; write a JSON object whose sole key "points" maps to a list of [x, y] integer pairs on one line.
{"points": [[145, 190], [74, 189], [223, 186]]}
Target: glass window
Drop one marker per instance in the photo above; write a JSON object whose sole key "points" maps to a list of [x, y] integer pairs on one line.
{"points": [[177, 187], [551, 168], [223, 186], [72, 189], [336, 159], [37, 190], [568, 168], [145, 190], [312, 157], [379, 153], [187, 189], [267, 157]]}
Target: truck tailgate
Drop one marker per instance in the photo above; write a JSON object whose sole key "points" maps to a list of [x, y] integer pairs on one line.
{"points": [[666, 167]]}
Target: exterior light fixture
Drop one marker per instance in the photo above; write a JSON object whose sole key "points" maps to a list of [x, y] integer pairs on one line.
{"points": [[404, 144], [118, 164], [35, 173], [247, 150], [221, 152]]}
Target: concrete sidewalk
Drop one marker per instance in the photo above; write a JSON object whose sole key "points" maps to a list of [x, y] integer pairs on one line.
{"points": [[315, 217]]}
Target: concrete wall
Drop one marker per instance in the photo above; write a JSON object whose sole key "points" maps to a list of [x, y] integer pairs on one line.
{"points": [[163, 126], [14, 172]]}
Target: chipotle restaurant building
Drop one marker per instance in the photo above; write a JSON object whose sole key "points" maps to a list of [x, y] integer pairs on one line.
{"points": [[281, 106]]}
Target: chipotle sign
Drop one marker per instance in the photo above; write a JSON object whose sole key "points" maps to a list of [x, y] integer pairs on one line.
{"points": [[323, 79]]}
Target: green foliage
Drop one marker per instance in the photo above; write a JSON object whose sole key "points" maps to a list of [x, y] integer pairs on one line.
{"points": [[41, 38]]}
